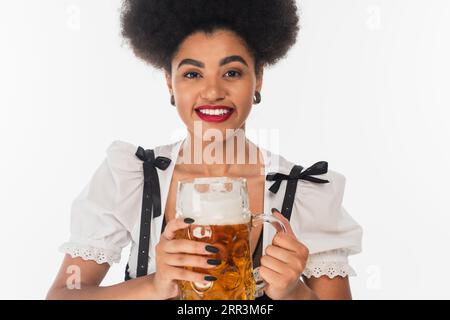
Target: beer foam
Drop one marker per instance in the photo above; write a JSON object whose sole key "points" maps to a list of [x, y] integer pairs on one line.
{"points": [[215, 208]]}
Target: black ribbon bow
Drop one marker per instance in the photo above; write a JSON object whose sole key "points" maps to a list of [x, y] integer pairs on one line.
{"points": [[296, 174], [151, 202]]}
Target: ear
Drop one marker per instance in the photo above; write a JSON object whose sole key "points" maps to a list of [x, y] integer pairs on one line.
{"points": [[259, 79], [169, 81]]}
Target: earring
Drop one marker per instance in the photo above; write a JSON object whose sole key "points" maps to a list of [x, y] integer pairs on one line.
{"points": [[172, 100], [257, 97]]}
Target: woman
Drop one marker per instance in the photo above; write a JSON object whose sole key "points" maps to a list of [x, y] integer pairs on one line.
{"points": [[213, 54]]}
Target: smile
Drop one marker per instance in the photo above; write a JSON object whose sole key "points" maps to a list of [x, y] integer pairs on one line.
{"points": [[214, 113]]}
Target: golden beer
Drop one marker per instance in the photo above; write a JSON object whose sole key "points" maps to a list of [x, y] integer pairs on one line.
{"points": [[234, 275], [219, 207]]}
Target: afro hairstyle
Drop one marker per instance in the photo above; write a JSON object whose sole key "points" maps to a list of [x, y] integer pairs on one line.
{"points": [[154, 29]]}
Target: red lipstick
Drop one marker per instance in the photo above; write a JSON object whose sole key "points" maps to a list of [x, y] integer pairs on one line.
{"points": [[209, 114]]}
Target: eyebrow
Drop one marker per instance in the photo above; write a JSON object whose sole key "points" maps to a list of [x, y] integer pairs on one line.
{"points": [[222, 62]]}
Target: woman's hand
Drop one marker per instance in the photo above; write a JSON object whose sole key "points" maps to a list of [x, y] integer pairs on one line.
{"points": [[172, 255], [283, 263]]}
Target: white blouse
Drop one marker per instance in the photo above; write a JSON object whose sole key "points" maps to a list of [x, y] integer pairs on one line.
{"points": [[105, 217]]}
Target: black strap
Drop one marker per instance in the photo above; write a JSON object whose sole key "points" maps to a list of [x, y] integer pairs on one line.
{"points": [[163, 225], [258, 251], [151, 203], [127, 273], [257, 261]]}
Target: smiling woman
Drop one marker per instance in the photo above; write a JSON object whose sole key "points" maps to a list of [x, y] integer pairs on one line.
{"points": [[213, 55], [212, 52]]}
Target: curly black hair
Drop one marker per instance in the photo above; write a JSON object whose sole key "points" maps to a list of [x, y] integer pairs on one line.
{"points": [[155, 28]]}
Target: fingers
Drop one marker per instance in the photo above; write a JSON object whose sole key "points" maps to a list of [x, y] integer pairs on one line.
{"points": [[285, 221], [174, 257], [279, 253], [189, 246], [270, 276], [183, 260], [177, 273], [173, 226], [288, 240], [290, 243], [281, 282], [278, 271], [273, 264]]}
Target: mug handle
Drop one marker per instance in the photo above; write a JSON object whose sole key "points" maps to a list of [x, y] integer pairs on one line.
{"points": [[257, 220]]}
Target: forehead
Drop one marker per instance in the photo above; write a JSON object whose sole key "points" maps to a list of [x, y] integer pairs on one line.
{"points": [[212, 47]]}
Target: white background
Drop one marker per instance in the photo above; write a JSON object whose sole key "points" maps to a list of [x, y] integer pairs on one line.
{"points": [[366, 88]]}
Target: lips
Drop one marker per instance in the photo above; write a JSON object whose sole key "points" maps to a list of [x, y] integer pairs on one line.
{"points": [[214, 113]]}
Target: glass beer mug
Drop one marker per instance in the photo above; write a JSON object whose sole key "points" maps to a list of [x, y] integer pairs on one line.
{"points": [[219, 206]]}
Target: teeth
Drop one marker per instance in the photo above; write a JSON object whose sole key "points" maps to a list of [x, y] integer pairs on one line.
{"points": [[215, 112]]}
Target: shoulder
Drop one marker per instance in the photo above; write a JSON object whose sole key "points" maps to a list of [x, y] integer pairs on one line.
{"points": [[121, 155], [336, 179], [316, 205], [319, 218], [318, 215]]}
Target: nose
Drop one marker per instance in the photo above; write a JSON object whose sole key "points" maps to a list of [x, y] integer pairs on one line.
{"points": [[213, 91]]}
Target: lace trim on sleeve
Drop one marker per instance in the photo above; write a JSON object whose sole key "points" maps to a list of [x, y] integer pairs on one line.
{"points": [[87, 252], [331, 263]]}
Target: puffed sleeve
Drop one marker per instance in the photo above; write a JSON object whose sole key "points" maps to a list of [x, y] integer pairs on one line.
{"points": [[325, 227], [97, 229]]}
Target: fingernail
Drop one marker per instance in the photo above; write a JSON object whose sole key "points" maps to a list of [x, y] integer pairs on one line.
{"points": [[274, 209], [211, 249], [189, 220], [214, 262], [210, 278]]}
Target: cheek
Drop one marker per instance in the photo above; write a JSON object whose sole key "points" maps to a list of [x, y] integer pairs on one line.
{"points": [[242, 96], [242, 90], [186, 97], [185, 113]]}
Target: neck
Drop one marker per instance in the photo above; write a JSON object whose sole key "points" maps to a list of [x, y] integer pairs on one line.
{"points": [[234, 155]]}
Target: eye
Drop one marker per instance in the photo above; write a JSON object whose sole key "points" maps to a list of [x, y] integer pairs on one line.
{"points": [[233, 73], [191, 75]]}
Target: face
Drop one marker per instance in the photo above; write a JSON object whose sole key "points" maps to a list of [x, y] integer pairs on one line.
{"points": [[213, 71]]}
